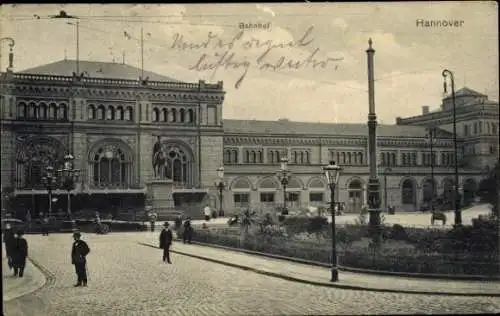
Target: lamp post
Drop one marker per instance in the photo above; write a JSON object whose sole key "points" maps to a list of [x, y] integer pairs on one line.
{"points": [[220, 186], [458, 215], [431, 135], [386, 171], [49, 180], [69, 176], [332, 174], [284, 175], [11, 53]]}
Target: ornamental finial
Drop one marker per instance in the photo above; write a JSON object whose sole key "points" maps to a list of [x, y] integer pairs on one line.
{"points": [[370, 42]]}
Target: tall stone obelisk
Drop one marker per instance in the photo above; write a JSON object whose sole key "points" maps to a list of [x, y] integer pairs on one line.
{"points": [[373, 182]]}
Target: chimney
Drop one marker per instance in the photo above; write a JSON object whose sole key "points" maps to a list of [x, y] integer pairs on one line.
{"points": [[425, 109]]}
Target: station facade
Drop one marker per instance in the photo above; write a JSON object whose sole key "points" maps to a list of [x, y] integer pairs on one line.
{"points": [[115, 123]]}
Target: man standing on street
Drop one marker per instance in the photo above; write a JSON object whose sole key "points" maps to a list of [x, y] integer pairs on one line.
{"points": [[207, 212], [79, 253], [165, 242], [188, 231], [10, 242], [19, 254]]}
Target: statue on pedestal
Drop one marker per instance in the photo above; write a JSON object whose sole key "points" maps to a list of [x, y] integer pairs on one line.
{"points": [[159, 158]]}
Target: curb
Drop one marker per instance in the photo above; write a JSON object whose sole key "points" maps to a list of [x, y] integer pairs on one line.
{"points": [[324, 284], [47, 280]]}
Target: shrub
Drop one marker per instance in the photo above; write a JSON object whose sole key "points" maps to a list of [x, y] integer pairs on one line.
{"points": [[346, 237], [398, 232], [316, 224]]}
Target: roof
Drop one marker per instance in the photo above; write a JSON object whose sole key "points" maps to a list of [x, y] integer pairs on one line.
{"points": [[96, 69], [285, 127], [467, 92]]}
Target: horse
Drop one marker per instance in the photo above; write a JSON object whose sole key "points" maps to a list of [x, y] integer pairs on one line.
{"points": [[158, 163], [440, 216]]}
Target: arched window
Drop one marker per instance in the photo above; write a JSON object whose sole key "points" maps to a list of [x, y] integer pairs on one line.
{"points": [[247, 156], [53, 111], [119, 113], [343, 158], [408, 192], [110, 115], [164, 115], [260, 156], [42, 111], [111, 167], [129, 114], [174, 116], [254, 157], [235, 156], [307, 158], [227, 156], [190, 116], [178, 166], [360, 158], [34, 156], [156, 115], [101, 112], [21, 110], [270, 156], [32, 110], [182, 115], [349, 158], [92, 112], [62, 113]]}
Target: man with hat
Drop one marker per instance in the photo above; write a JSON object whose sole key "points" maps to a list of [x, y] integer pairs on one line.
{"points": [[19, 254], [79, 253], [165, 242], [188, 231]]}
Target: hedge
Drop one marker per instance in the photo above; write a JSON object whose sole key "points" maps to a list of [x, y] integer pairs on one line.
{"points": [[391, 260]]}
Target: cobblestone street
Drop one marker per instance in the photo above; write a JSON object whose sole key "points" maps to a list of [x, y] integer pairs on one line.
{"points": [[129, 279]]}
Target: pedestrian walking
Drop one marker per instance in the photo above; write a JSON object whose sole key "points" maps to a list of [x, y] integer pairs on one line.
{"points": [[152, 220], [9, 240], [19, 254], [79, 253], [207, 212], [166, 238], [45, 226], [188, 231]]}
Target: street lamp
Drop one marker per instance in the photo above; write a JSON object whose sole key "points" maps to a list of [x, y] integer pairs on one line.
{"points": [[49, 180], [332, 174], [458, 214], [386, 171], [69, 176], [11, 53], [284, 175], [219, 183]]}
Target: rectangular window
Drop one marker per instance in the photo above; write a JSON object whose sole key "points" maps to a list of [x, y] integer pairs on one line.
{"points": [[211, 115], [267, 197], [241, 199], [316, 197]]}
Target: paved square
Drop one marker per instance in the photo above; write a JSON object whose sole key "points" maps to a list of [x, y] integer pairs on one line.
{"points": [[129, 279]]}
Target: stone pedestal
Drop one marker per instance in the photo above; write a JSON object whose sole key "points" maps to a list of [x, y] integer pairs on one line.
{"points": [[160, 193]]}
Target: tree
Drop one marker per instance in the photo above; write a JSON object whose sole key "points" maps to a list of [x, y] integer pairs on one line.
{"points": [[246, 219], [489, 189]]}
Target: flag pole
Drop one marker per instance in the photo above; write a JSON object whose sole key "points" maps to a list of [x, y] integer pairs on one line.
{"points": [[142, 53]]}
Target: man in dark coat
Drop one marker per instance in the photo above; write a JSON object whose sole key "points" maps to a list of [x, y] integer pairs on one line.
{"points": [[165, 242], [188, 231], [45, 226], [79, 253], [10, 242], [19, 254]]}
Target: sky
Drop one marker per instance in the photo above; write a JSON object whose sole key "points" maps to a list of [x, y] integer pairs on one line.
{"points": [[322, 76]]}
